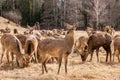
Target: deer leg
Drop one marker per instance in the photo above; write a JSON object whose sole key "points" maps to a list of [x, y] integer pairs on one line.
{"points": [[18, 64], [91, 55], [66, 60], [12, 56], [42, 69], [108, 51], [110, 56], [36, 58], [43, 63], [7, 54], [60, 61], [118, 56], [97, 51], [114, 54], [3, 52], [107, 57]]}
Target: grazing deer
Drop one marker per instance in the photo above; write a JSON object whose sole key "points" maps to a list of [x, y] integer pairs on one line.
{"points": [[10, 43], [31, 45], [22, 38], [80, 44], [6, 30], [59, 48], [96, 40]]}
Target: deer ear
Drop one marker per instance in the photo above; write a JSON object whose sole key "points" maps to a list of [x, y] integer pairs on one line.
{"points": [[28, 27], [75, 25], [66, 24]]}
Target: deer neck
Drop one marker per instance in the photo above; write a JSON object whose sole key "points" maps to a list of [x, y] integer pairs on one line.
{"points": [[69, 40]]}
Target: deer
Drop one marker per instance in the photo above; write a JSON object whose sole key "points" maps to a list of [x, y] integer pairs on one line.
{"points": [[80, 44], [89, 30], [116, 43], [15, 31], [6, 30], [31, 46], [59, 48], [96, 40], [22, 38], [11, 44], [109, 30]]}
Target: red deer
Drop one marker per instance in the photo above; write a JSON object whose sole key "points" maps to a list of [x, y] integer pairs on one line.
{"points": [[89, 31], [15, 31], [59, 48], [96, 40], [116, 43], [80, 44], [31, 46], [10, 43]]}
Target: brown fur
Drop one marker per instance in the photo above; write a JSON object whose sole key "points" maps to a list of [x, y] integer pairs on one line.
{"points": [[89, 30], [15, 31], [109, 30], [97, 40], [31, 46], [59, 48], [4, 31], [22, 39], [80, 44], [116, 43], [11, 44]]}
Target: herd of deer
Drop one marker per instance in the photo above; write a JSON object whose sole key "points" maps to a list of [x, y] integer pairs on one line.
{"points": [[56, 44]]}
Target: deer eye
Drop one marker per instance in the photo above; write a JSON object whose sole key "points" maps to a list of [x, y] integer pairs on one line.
{"points": [[68, 32]]}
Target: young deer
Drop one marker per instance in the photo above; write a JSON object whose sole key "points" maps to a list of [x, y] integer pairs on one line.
{"points": [[59, 48], [10, 43]]}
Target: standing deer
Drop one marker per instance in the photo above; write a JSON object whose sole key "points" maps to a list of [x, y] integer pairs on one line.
{"points": [[59, 48], [116, 43]]}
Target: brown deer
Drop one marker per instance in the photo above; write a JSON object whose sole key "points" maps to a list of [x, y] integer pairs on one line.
{"points": [[80, 44], [6, 30], [96, 40], [109, 30], [22, 38], [31, 45], [59, 48], [89, 30], [10, 43], [116, 43], [15, 31]]}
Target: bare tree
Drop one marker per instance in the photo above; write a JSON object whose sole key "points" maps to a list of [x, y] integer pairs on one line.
{"points": [[113, 9], [97, 9]]}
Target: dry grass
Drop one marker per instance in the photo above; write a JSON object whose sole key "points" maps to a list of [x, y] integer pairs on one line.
{"points": [[76, 69]]}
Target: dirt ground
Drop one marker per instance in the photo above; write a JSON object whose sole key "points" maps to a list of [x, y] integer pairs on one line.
{"points": [[76, 69]]}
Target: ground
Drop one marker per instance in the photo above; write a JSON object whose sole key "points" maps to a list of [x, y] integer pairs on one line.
{"points": [[76, 69]]}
